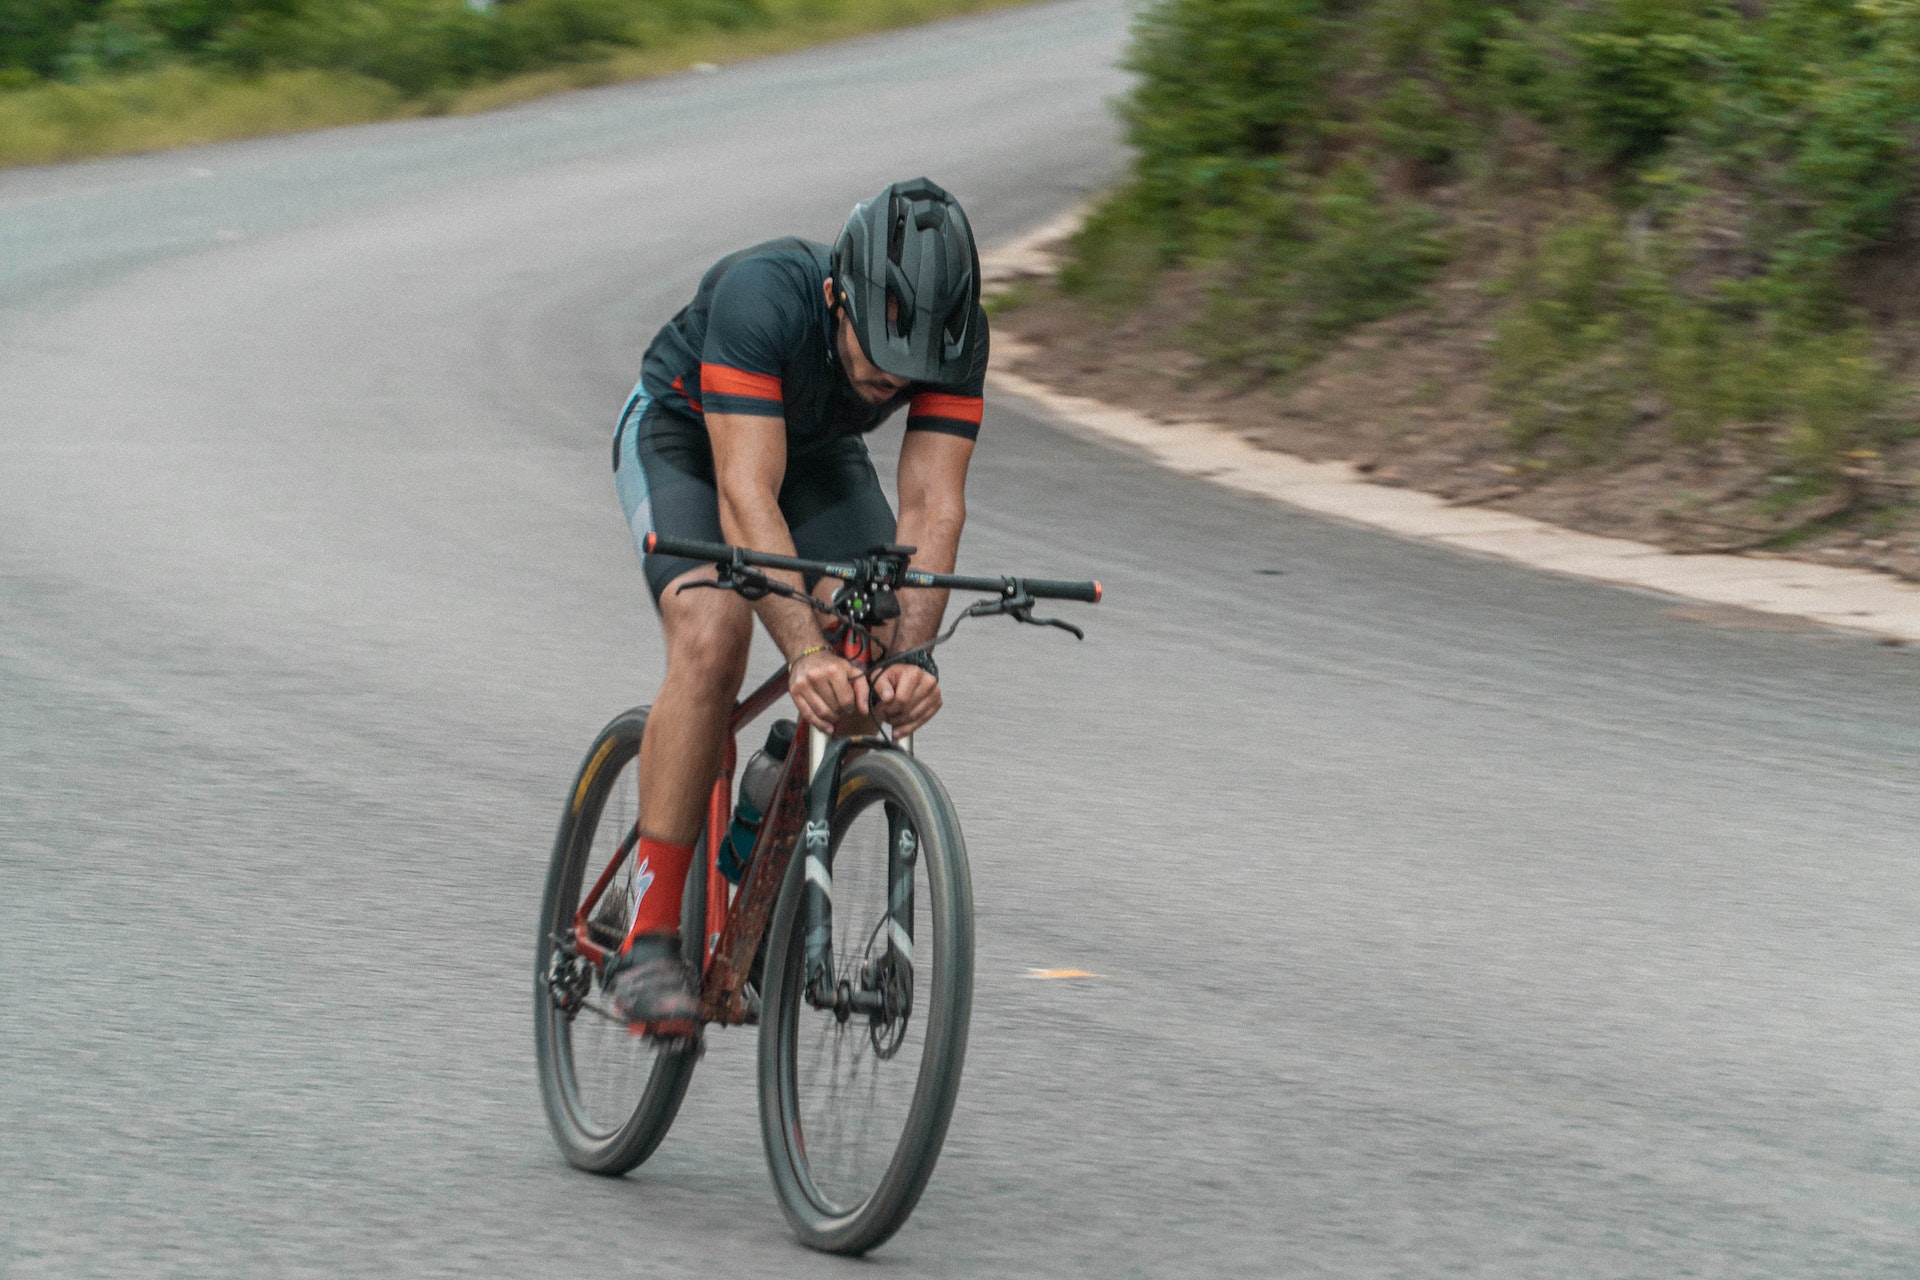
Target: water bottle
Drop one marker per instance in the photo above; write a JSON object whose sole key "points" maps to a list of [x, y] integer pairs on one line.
{"points": [[757, 782]]}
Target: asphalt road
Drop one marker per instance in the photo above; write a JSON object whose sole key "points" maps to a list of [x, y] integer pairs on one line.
{"points": [[1451, 918]]}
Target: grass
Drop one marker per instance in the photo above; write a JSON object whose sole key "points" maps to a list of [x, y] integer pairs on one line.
{"points": [[795, 24], [178, 106], [183, 105], [1009, 298]]}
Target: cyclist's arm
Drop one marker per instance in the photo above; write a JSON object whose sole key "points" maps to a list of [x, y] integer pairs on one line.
{"points": [[942, 424], [933, 510], [749, 462]]}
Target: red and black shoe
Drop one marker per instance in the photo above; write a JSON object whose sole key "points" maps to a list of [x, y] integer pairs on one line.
{"points": [[650, 989]]}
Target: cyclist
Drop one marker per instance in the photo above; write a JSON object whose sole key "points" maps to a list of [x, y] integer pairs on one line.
{"points": [[745, 428]]}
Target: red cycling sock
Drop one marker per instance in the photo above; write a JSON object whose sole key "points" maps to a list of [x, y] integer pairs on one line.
{"points": [[660, 877]]}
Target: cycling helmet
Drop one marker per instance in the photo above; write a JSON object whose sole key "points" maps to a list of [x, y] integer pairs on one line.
{"points": [[911, 243]]}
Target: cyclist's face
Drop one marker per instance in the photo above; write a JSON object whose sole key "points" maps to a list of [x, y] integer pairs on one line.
{"points": [[869, 383]]}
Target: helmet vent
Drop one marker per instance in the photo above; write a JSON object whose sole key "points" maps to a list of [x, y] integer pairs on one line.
{"points": [[897, 238]]}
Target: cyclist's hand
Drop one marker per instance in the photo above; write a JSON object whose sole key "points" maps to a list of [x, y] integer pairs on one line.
{"points": [[909, 697], [826, 687]]}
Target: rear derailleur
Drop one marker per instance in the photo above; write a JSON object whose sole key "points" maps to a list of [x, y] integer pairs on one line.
{"points": [[569, 977]]}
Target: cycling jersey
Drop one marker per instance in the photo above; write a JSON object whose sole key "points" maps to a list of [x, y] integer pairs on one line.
{"points": [[663, 468], [757, 339]]}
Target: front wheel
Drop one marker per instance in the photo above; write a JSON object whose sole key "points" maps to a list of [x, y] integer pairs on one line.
{"points": [[855, 1099], [610, 1096]]}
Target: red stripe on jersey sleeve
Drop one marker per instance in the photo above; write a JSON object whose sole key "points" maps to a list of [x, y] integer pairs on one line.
{"points": [[718, 379], [931, 404]]}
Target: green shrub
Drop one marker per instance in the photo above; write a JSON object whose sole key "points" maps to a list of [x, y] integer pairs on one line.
{"points": [[417, 46], [1570, 343], [117, 42], [420, 46], [205, 70], [1598, 337], [1732, 170], [1231, 93], [1838, 401], [1639, 67], [1116, 255], [35, 34], [1318, 261]]}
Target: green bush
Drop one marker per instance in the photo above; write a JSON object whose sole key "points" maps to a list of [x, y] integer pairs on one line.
{"points": [[1599, 336], [422, 45], [1333, 254], [1116, 255], [81, 78], [1231, 95], [417, 46], [35, 34], [1570, 345], [1733, 171]]}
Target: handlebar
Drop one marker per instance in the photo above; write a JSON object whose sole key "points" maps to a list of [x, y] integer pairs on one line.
{"points": [[721, 554]]}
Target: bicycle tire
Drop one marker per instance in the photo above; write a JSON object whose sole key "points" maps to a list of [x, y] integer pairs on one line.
{"points": [[604, 1135], [830, 1213]]}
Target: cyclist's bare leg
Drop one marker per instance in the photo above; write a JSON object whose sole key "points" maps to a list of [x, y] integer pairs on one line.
{"points": [[708, 634]]}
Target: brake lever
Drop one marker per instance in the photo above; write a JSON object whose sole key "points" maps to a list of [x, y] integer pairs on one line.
{"points": [[751, 584], [1061, 623], [1024, 613]]}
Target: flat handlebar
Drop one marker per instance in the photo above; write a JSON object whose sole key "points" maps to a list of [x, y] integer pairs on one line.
{"points": [[721, 554]]}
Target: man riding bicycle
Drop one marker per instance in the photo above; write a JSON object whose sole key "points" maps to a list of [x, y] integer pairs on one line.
{"points": [[745, 428]]}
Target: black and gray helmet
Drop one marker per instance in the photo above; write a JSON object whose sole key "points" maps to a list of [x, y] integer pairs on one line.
{"points": [[911, 243]]}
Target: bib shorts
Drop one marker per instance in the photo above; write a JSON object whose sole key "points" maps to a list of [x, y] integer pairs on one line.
{"points": [[663, 470]]}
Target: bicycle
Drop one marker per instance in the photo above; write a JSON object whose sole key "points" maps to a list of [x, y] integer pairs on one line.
{"points": [[862, 1015]]}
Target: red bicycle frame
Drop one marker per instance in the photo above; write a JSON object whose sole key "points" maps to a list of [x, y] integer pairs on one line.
{"points": [[736, 919]]}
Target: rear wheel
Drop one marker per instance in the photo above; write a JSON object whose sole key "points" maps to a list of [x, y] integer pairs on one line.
{"points": [[610, 1097], [854, 1100]]}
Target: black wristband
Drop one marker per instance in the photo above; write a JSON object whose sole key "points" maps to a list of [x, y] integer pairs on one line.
{"points": [[922, 660]]}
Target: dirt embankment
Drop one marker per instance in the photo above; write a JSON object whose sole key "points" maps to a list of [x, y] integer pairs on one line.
{"points": [[1407, 399]]}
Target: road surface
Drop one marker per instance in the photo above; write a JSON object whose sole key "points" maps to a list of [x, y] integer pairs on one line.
{"points": [[1449, 918]]}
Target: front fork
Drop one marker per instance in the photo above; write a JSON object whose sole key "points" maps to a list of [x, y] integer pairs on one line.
{"points": [[865, 992]]}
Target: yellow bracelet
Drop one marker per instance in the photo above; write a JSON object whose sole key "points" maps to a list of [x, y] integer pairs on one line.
{"points": [[805, 653]]}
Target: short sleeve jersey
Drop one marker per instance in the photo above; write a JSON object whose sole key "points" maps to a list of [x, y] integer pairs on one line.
{"points": [[757, 339]]}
